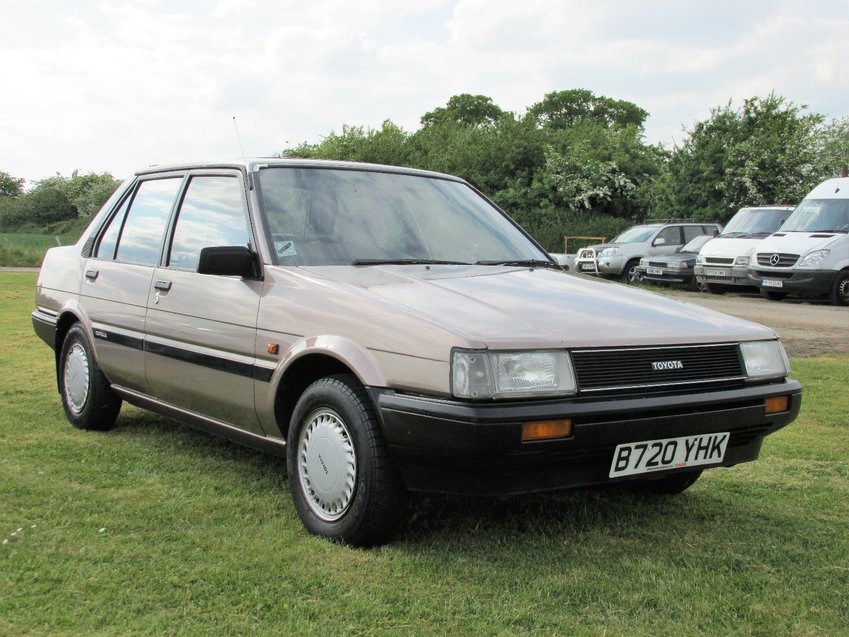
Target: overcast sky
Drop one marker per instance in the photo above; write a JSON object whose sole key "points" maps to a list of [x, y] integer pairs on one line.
{"points": [[116, 85]]}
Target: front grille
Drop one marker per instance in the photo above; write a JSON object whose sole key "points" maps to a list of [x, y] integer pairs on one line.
{"points": [[637, 368], [782, 261], [719, 260]]}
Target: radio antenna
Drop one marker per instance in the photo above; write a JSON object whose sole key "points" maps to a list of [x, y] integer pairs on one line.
{"points": [[239, 137]]}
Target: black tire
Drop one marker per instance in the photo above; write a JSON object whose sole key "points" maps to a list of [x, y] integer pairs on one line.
{"points": [[839, 294], [631, 274], [713, 288], [672, 484], [341, 479], [769, 295], [87, 396]]}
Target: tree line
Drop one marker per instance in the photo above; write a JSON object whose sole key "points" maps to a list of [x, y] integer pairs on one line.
{"points": [[573, 163]]}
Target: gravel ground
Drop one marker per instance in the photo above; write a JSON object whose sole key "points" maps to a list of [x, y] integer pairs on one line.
{"points": [[807, 328]]}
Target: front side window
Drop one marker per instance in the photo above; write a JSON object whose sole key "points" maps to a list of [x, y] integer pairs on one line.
{"points": [[671, 236], [144, 228], [338, 217], [212, 215]]}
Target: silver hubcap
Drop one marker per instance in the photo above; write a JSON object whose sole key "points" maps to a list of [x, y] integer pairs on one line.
{"points": [[843, 291], [327, 464], [76, 378]]}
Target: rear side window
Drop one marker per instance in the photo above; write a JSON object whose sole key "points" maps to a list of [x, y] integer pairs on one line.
{"points": [[144, 227], [672, 236], [212, 214], [691, 232]]}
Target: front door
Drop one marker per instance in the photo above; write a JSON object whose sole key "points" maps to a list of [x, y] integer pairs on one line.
{"points": [[201, 328]]}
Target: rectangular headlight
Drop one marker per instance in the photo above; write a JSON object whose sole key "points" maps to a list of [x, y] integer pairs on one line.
{"points": [[484, 374], [765, 359]]}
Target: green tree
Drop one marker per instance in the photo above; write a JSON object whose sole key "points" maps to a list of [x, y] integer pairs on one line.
{"points": [[563, 109], [465, 109], [766, 152], [385, 145], [835, 147], [10, 187]]}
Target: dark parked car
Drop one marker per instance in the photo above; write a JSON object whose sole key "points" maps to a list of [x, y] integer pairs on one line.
{"points": [[676, 267]]}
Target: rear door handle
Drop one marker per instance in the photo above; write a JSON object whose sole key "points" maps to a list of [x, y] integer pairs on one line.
{"points": [[162, 285], [91, 274]]}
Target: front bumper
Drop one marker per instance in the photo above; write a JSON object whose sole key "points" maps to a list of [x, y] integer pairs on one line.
{"points": [[450, 446], [799, 282], [730, 275]]}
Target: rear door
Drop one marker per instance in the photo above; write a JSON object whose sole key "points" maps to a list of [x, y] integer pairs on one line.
{"points": [[201, 328], [118, 276]]}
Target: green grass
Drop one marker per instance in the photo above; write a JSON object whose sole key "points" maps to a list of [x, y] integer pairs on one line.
{"points": [[156, 529], [22, 249]]}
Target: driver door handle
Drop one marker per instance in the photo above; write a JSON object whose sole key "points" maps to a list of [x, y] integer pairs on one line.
{"points": [[162, 285]]}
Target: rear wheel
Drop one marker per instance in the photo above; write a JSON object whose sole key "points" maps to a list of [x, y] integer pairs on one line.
{"points": [[772, 296], [840, 290], [340, 476], [87, 397]]}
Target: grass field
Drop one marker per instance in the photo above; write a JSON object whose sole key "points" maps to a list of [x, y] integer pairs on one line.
{"points": [[155, 529], [21, 249]]}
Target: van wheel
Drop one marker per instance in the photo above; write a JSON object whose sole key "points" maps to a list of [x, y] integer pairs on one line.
{"points": [[772, 296], [840, 290], [342, 482], [87, 397]]}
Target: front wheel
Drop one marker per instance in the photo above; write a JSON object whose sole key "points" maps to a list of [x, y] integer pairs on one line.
{"points": [[340, 476], [632, 273], [87, 397], [840, 290]]}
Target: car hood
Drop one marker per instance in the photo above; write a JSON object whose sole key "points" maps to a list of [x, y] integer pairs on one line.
{"points": [[502, 307], [729, 246], [799, 242]]}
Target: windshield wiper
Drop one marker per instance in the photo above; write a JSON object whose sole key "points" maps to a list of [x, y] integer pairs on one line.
{"points": [[406, 262], [530, 263]]}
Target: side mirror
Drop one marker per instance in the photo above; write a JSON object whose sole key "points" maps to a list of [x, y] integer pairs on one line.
{"points": [[226, 261], [659, 241]]}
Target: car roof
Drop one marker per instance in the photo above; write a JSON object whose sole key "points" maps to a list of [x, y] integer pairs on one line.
{"points": [[254, 164]]}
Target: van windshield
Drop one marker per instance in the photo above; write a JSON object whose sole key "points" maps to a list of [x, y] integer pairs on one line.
{"points": [[750, 222], [819, 215]]}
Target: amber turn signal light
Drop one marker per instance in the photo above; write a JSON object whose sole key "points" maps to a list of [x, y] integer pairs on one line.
{"points": [[546, 430], [777, 404]]}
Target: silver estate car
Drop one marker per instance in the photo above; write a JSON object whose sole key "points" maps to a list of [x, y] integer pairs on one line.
{"points": [[389, 330]]}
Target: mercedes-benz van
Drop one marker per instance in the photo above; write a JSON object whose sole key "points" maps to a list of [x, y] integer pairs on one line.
{"points": [[809, 255]]}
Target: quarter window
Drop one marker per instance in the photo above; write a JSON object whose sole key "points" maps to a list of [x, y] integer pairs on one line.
{"points": [[212, 214], [144, 229]]}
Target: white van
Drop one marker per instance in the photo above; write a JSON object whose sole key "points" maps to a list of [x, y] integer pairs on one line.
{"points": [[723, 261], [809, 255]]}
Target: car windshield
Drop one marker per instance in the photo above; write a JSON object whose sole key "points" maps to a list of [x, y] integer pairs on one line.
{"points": [[695, 244], [749, 222], [819, 215], [637, 234], [321, 216]]}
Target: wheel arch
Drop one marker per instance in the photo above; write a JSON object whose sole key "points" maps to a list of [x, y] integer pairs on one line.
{"points": [[312, 359]]}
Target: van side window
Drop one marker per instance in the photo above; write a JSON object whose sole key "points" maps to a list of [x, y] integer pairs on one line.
{"points": [[212, 214], [144, 228]]}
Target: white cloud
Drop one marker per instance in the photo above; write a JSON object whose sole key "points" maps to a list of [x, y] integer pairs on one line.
{"points": [[114, 85]]}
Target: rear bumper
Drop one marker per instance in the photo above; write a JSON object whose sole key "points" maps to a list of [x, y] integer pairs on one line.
{"points": [[800, 282], [464, 448], [44, 325]]}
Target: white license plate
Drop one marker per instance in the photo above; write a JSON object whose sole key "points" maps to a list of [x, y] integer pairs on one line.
{"points": [[588, 266], [633, 458], [654, 270], [715, 272], [769, 283]]}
